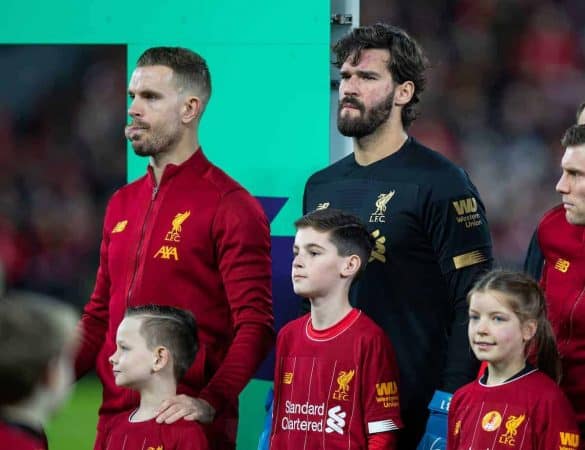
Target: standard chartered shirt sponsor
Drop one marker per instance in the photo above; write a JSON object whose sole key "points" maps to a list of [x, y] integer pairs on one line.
{"points": [[304, 424]]}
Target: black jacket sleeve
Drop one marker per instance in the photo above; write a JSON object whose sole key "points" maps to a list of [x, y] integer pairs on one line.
{"points": [[534, 258]]}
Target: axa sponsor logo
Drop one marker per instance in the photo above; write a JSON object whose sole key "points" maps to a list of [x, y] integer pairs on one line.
{"points": [[379, 250], [167, 252]]}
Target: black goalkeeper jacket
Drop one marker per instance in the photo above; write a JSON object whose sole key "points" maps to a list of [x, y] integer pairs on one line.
{"points": [[432, 241]]}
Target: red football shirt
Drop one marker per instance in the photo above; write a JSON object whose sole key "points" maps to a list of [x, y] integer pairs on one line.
{"points": [[526, 413], [21, 438], [150, 435], [333, 387]]}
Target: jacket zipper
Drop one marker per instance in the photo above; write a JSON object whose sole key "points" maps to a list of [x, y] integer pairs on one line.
{"points": [[571, 314], [140, 243]]}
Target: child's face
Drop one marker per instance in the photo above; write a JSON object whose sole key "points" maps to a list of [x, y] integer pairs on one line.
{"points": [[132, 362], [317, 266], [495, 332]]}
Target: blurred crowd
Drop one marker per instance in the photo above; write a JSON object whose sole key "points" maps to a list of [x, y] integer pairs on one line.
{"points": [[506, 78], [62, 111]]}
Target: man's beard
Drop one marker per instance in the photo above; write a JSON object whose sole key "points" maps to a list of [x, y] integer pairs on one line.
{"points": [[153, 144], [368, 121]]}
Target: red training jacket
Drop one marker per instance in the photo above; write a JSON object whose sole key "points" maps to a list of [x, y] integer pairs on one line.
{"points": [[563, 280], [197, 241]]}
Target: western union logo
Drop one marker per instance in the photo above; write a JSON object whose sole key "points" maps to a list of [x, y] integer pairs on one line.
{"points": [[570, 440], [388, 388], [120, 226], [468, 259], [465, 206], [562, 265], [287, 377]]}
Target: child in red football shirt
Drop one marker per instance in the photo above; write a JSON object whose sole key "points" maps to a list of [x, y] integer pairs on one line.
{"points": [[513, 404], [335, 376], [37, 345], [155, 345]]}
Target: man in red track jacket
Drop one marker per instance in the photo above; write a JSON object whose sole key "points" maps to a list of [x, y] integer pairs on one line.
{"points": [[184, 235], [557, 257]]}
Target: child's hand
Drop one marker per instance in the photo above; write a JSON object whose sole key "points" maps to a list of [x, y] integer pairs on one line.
{"points": [[185, 407]]}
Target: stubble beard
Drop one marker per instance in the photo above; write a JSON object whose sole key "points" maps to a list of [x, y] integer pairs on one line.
{"points": [[155, 144]]}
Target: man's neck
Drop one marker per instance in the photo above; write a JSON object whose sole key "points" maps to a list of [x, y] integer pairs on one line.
{"points": [[176, 156], [151, 398], [386, 140]]}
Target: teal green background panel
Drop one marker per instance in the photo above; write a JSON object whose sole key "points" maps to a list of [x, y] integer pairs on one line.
{"points": [[164, 22]]}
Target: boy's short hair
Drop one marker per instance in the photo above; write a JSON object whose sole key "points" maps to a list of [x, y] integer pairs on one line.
{"points": [[34, 331], [346, 232], [172, 328]]}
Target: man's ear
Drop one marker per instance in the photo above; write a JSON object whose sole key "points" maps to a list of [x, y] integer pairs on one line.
{"points": [[192, 109], [403, 93], [351, 266], [161, 358]]}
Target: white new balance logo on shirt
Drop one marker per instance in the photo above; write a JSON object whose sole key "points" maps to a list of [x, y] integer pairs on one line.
{"points": [[335, 420]]}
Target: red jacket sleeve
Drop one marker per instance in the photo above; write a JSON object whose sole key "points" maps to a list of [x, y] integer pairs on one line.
{"points": [[94, 321], [242, 238]]}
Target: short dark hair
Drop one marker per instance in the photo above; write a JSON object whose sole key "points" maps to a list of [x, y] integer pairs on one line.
{"points": [[407, 61], [347, 233], [189, 68], [172, 328], [575, 135], [34, 330]]}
